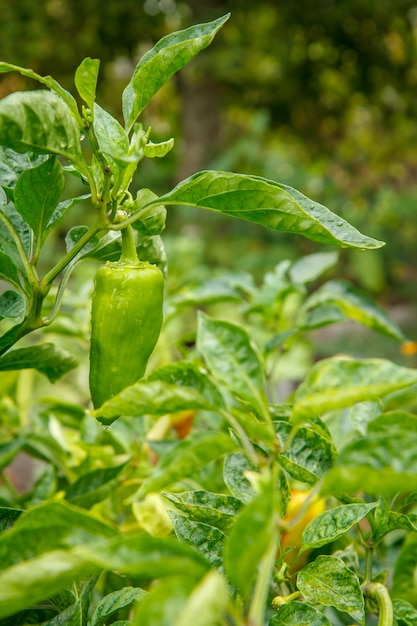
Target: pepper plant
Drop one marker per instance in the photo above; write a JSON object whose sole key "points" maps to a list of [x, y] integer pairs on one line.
{"points": [[209, 497]]}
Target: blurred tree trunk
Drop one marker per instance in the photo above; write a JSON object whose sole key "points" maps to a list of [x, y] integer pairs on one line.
{"points": [[200, 122]]}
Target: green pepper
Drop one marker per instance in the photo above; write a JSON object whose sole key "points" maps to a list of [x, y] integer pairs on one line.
{"points": [[126, 319]]}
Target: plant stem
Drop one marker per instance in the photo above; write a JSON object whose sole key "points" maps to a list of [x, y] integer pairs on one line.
{"points": [[129, 254], [256, 615], [379, 593], [50, 277]]}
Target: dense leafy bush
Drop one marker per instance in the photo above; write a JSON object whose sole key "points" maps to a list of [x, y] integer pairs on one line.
{"points": [[186, 507]]}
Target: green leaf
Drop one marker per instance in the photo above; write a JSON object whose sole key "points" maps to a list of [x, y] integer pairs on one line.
{"points": [[157, 65], [94, 486], [204, 538], [61, 210], [175, 387], [354, 305], [387, 521], [20, 586], [76, 613], [215, 509], [47, 359], [11, 265], [329, 582], [37, 193], [251, 538], [207, 603], [112, 138], [12, 306], [298, 614], [147, 557], [269, 204], [332, 524], [48, 527], [159, 150], [383, 464], [235, 468], [40, 546], [41, 122], [151, 220], [48, 81], [311, 266], [113, 602], [163, 603], [308, 456], [232, 359], [405, 612], [8, 516], [339, 382], [187, 456], [10, 449], [85, 79], [404, 584]]}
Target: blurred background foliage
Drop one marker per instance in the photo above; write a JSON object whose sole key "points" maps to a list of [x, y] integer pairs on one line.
{"points": [[318, 94]]}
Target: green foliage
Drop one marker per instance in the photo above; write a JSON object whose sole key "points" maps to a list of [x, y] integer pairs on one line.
{"points": [[182, 511]]}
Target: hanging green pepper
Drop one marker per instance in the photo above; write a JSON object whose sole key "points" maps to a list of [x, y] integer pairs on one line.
{"points": [[126, 319]]}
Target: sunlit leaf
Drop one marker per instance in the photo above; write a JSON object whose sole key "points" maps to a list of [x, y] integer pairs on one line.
{"points": [[85, 80], [334, 523], [41, 122], [329, 582], [156, 67], [269, 204]]}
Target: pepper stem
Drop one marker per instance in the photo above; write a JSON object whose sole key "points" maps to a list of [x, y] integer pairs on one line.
{"points": [[379, 594], [129, 254]]}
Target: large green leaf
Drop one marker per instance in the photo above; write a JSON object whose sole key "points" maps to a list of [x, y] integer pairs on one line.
{"points": [[171, 388], [20, 583], [48, 81], [332, 524], [48, 527], [47, 358], [381, 464], [207, 539], [251, 538], [340, 382], [157, 65], [207, 603], [233, 359], [215, 509], [187, 456], [329, 582], [41, 122], [147, 557], [308, 456], [94, 486], [352, 304], [404, 583], [37, 193], [269, 204]]}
